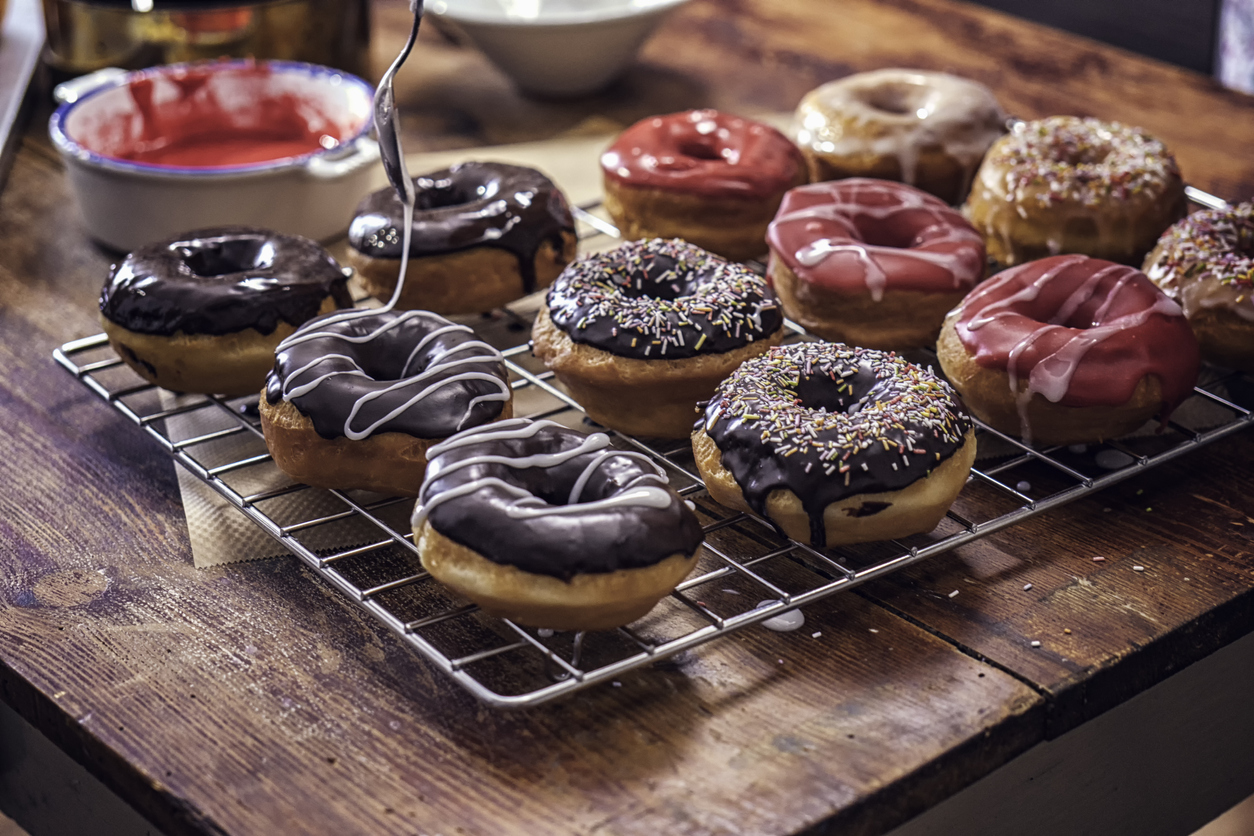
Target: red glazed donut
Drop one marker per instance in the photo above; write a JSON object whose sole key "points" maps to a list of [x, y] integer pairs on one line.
{"points": [[712, 179], [1069, 349], [870, 262]]}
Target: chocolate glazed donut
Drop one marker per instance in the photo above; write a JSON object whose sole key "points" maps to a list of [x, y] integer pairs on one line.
{"points": [[553, 528], [483, 235], [835, 444], [203, 312], [356, 399]]}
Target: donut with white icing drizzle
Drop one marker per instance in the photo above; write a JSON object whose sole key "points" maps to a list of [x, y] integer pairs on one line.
{"points": [[1069, 349], [871, 262], [641, 333], [1206, 264], [927, 129], [835, 444], [355, 399], [550, 527], [1071, 185]]}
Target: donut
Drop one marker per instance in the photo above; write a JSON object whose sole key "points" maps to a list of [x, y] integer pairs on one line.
{"points": [[203, 312], [923, 128], [835, 444], [708, 177], [639, 334], [355, 399], [870, 262], [1069, 349], [1071, 185], [1205, 263], [552, 528], [483, 235]]}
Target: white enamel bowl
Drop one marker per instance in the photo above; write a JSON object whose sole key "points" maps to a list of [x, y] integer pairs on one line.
{"points": [[126, 204], [556, 47]]}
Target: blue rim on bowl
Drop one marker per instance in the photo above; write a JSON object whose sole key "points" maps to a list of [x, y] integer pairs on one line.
{"points": [[72, 148]]}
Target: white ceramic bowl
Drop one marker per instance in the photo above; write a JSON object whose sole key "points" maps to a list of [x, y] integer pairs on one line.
{"points": [[556, 47], [126, 204]]}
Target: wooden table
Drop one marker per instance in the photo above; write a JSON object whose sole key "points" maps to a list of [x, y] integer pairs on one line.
{"points": [[250, 699]]}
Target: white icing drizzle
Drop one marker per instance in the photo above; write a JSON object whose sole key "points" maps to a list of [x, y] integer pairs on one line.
{"points": [[527, 505], [1051, 376], [437, 364], [857, 203]]}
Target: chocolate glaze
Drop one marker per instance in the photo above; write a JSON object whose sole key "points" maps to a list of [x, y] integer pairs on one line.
{"points": [[222, 280], [662, 299], [630, 518], [704, 152], [364, 372], [469, 205], [829, 421]]}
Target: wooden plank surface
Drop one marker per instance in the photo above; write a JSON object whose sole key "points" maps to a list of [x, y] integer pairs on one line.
{"points": [[249, 698]]}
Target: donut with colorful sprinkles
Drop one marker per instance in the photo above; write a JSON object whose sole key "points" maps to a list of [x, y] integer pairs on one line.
{"points": [[835, 444], [355, 399], [1071, 185], [1205, 263], [641, 333]]}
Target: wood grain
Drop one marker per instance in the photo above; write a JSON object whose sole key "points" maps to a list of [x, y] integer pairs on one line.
{"points": [[250, 698]]}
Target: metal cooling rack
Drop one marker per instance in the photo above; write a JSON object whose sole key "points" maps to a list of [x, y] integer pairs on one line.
{"points": [[361, 543]]}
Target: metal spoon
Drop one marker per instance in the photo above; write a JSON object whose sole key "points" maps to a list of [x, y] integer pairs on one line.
{"points": [[386, 118]]}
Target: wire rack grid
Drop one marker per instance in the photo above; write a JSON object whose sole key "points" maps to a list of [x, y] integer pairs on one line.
{"points": [[362, 544]]}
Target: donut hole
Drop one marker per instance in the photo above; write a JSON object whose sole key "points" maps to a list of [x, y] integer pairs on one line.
{"points": [[448, 191], [700, 151], [663, 278], [1073, 152], [820, 393], [222, 257], [898, 98]]}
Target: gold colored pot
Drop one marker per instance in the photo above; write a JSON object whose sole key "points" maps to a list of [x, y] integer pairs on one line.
{"points": [[87, 36]]}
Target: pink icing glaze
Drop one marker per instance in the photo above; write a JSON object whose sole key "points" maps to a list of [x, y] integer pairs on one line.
{"points": [[857, 235], [1081, 331], [704, 152]]}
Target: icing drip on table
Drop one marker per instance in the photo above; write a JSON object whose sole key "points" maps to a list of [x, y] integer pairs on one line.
{"points": [[662, 299], [1079, 331], [704, 152], [552, 501], [861, 235], [828, 421]]}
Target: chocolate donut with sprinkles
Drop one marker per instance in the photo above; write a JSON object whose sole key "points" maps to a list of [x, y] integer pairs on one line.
{"points": [[552, 528], [355, 399], [1071, 185], [642, 333], [1205, 263], [835, 444]]}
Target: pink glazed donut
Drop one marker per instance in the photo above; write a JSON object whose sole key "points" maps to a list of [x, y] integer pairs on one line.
{"points": [[871, 262]]}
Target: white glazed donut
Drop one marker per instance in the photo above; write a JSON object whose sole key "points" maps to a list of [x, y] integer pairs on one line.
{"points": [[923, 128]]}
